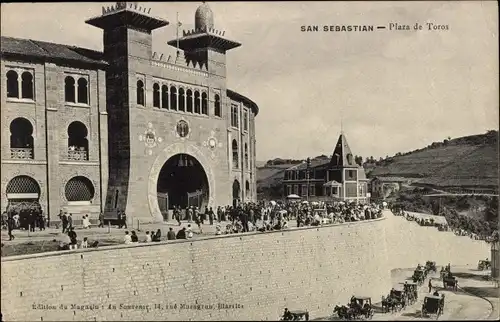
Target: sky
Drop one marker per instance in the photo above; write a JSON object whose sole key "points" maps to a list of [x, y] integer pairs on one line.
{"points": [[392, 91]]}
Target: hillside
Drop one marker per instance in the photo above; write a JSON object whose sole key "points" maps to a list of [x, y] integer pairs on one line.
{"points": [[465, 161]]}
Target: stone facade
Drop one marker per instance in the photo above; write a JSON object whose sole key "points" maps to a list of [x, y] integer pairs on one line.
{"points": [[127, 100], [50, 163]]}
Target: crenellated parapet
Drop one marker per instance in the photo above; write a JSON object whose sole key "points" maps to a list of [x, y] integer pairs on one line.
{"points": [[205, 30], [132, 6], [176, 63]]}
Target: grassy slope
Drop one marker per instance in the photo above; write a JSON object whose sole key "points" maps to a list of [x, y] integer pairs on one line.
{"points": [[465, 161]]}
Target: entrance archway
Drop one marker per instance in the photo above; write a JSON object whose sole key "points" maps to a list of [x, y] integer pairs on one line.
{"points": [[236, 192], [182, 182]]}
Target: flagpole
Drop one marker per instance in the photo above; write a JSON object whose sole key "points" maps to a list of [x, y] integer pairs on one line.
{"points": [[177, 33]]}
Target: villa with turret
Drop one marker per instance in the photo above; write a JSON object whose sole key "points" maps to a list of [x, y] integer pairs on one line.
{"points": [[337, 179], [126, 129]]}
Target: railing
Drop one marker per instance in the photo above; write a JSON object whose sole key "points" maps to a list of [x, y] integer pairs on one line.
{"points": [[21, 153], [79, 155]]}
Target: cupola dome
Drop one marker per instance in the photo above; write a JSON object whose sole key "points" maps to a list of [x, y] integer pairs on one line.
{"points": [[204, 17]]}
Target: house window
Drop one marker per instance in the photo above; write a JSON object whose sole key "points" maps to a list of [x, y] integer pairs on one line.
{"points": [[235, 154], [296, 189], [83, 93], [246, 156], [173, 98], [288, 190], [156, 95], [247, 189], [69, 90], [204, 103], [12, 84], [182, 100], [245, 120], [234, 116], [20, 86], [351, 175], [312, 190], [140, 92], [164, 97], [21, 139], [78, 144], [197, 103], [27, 85], [304, 190], [189, 94], [217, 107]]}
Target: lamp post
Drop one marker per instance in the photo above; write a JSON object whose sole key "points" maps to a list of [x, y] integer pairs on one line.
{"points": [[307, 176]]}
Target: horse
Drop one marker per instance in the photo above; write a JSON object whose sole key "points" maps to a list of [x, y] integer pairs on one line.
{"points": [[343, 312]]}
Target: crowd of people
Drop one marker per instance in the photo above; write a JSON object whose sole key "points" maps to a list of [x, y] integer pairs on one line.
{"points": [[245, 217]]}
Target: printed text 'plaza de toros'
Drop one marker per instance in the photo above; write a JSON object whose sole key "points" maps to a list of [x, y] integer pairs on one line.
{"points": [[125, 129]]}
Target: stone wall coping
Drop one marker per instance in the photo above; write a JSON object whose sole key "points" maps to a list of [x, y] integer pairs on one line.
{"points": [[178, 241]]}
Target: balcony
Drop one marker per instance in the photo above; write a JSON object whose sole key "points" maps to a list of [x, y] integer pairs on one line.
{"points": [[77, 154], [21, 153]]}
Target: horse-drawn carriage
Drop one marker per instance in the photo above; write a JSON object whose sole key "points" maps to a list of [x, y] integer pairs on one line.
{"points": [[359, 307], [419, 276], [298, 315], [483, 264], [433, 305], [450, 281], [411, 292], [395, 301], [430, 266]]}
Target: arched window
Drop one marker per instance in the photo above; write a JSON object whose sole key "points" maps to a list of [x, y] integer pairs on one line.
{"points": [[217, 109], [197, 102], [189, 95], [23, 185], [140, 92], [83, 93], [69, 89], [246, 156], [21, 139], [204, 104], [12, 84], [173, 98], [236, 192], [182, 100], [78, 145], [235, 155], [247, 189], [164, 97], [27, 85], [79, 188], [156, 95]]}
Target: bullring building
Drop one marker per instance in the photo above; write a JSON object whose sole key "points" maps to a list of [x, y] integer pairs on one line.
{"points": [[127, 128]]}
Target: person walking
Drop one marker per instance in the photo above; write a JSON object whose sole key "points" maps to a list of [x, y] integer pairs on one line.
{"points": [[101, 220], [124, 220], [211, 216], [70, 221], [10, 226], [430, 285], [119, 218], [64, 222]]}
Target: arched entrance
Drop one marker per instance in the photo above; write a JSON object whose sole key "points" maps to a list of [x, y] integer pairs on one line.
{"points": [[236, 192], [182, 182], [23, 193]]}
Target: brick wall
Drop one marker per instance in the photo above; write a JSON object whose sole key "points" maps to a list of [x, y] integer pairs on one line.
{"points": [[311, 268]]}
